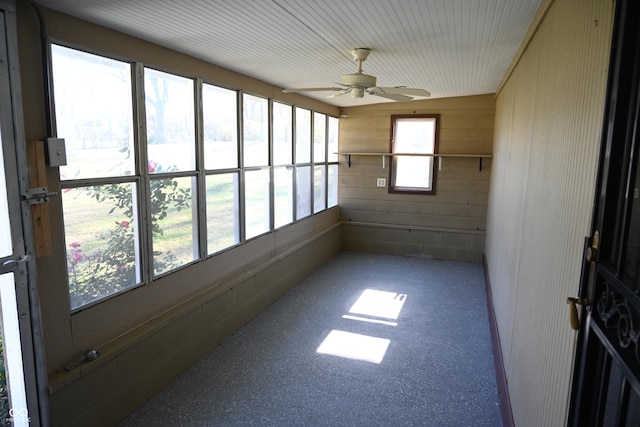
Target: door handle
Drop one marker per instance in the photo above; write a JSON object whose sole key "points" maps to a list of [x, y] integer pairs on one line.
{"points": [[17, 261], [574, 321]]}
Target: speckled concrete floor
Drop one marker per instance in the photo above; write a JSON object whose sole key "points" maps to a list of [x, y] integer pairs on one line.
{"points": [[436, 365]]}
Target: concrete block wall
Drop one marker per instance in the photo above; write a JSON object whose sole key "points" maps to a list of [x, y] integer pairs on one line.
{"points": [[461, 245]]}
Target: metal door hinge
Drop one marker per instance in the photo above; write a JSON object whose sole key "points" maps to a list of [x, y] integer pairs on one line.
{"points": [[37, 195], [591, 254]]}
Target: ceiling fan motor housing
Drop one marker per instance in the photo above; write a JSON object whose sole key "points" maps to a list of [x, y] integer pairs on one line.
{"points": [[358, 80]]}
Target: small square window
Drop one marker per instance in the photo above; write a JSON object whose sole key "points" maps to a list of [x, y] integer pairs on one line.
{"points": [[414, 141]]}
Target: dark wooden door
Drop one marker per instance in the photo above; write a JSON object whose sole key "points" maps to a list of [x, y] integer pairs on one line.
{"points": [[606, 386]]}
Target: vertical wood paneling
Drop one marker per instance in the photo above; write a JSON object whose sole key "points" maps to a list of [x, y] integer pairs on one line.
{"points": [[541, 202]]}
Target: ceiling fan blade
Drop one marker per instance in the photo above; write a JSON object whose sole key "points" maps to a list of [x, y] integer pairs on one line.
{"points": [[394, 96], [343, 92], [312, 89], [405, 91]]}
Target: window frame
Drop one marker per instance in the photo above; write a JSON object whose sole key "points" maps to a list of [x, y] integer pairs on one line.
{"points": [[430, 157], [150, 176], [135, 178]]}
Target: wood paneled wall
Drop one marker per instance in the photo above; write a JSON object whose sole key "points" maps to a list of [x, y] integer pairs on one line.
{"points": [[548, 124], [449, 224]]}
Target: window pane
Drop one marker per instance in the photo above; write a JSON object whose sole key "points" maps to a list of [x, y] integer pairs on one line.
{"points": [[417, 136], [170, 121], [283, 195], [303, 135], [332, 139], [319, 188], [303, 191], [101, 241], [255, 131], [333, 186], [6, 245], [256, 200], [223, 217], [414, 136], [413, 172], [282, 134], [173, 222], [319, 137], [220, 114], [94, 113], [13, 380]]}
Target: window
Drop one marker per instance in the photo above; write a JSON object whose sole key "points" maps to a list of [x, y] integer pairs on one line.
{"points": [[223, 211], [282, 195], [332, 157], [303, 135], [222, 193], [319, 137], [332, 189], [303, 191], [169, 102], [282, 134], [100, 187], [255, 131], [131, 198], [416, 136], [319, 188], [256, 199], [332, 139], [220, 126]]}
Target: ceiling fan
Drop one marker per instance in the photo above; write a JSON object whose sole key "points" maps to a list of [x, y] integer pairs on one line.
{"points": [[358, 84]]}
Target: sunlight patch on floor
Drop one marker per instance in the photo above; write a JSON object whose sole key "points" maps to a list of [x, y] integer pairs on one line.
{"points": [[379, 307], [386, 305], [354, 346]]}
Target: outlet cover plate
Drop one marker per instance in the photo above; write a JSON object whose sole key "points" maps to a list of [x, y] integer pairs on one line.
{"points": [[381, 182]]}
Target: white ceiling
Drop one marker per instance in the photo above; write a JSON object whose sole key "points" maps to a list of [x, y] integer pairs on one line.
{"points": [[448, 47]]}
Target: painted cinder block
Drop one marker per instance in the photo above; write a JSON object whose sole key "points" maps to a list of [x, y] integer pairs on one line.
{"points": [[467, 255], [83, 393], [217, 307], [458, 240], [424, 236], [110, 411], [146, 352], [184, 328]]}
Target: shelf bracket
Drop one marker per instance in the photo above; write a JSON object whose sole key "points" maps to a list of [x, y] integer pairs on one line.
{"points": [[480, 167], [347, 157], [383, 161]]}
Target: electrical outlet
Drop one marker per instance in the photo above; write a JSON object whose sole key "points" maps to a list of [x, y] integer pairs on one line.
{"points": [[381, 182]]}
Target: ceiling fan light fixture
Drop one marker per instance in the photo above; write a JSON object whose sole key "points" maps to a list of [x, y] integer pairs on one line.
{"points": [[357, 92]]}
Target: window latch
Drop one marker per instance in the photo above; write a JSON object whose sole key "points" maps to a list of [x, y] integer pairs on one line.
{"points": [[37, 195]]}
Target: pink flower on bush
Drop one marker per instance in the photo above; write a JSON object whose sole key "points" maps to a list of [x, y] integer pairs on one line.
{"points": [[124, 224], [75, 245], [152, 167]]}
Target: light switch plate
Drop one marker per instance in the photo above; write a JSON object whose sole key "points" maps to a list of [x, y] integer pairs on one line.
{"points": [[381, 182], [56, 152]]}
